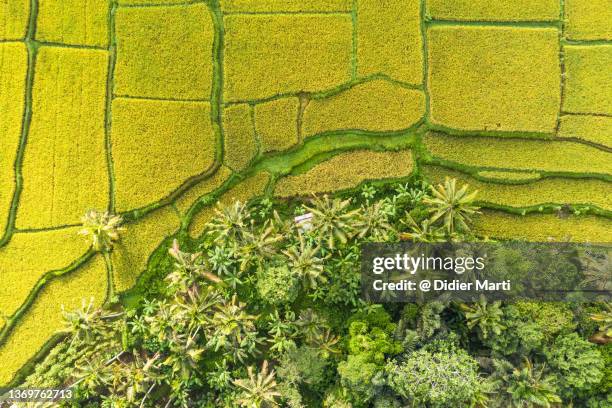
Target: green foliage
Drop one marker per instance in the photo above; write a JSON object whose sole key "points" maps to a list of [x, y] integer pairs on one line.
{"points": [[102, 229], [257, 290], [530, 325], [258, 390], [452, 205], [370, 341], [333, 222], [358, 376], [429, 319], [436, 379], [486, 317], [577, 363], [604, 320], [277, 284], [303, 366], [606, 357], [527, 386]]}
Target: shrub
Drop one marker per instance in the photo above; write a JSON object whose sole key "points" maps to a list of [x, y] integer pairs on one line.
{"points": [[578, 365], [435, 379], [277, 284]]}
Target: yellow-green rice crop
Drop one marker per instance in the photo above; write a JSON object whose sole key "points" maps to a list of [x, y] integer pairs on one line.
{"points": [[509, 175], [150, 2], [345, 171], [44, 318], [596, 129], [14, 19], [13, 66], [204, 187], [374, 106], [247, 189], [285, 5], [266, 55], [64, 168], [588, 80], [158, 145], [588, 20], [164, 52], [544, 191], [519, 154], [276, 124], [498, 10], [83, 22], [542, 227], [129, 258], [485, 78], [389, 39], [239, 142], [28, 256]]}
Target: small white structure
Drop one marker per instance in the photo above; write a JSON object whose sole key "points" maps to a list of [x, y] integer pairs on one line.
{"points": [[303, 222]]}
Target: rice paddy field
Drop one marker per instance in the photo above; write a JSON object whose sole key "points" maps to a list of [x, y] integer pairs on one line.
{"points": [[159, 109]]}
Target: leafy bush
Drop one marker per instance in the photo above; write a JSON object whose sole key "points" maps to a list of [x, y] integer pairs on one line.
{"points": [[435, 379]]}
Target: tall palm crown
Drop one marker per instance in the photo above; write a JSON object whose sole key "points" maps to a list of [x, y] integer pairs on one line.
{"points": [[258, 391], [332, 221], [102, 228], [452, 205]]}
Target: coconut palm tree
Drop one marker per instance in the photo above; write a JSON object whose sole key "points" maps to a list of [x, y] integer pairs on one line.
{"points": [[487, 317], [529, 387], [373, 221], [81, 323], [229, 222], [102, 229], [424, 232], [258, 245], [305, 263], [452, 205], [259, 390], [332, 221], [184, 355], [233, 329]]}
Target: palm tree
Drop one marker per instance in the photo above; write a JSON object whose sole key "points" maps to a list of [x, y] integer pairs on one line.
{"points": [[604, 319], [82, 322], [229, 222], [326, 342], [258, 391], [258, 245], [425, 232], [487, 317], [184, 355], [189, 272], [102, 229], [305, 263], [452, 205], [373, 221], [233, 329], [528, 387], [332, 220]]}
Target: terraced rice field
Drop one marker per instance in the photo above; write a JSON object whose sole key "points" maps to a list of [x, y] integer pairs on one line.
{"points": [[157, 109]]}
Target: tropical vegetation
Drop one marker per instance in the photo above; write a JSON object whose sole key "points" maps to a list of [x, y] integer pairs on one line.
{"points": [[261, 311]]}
